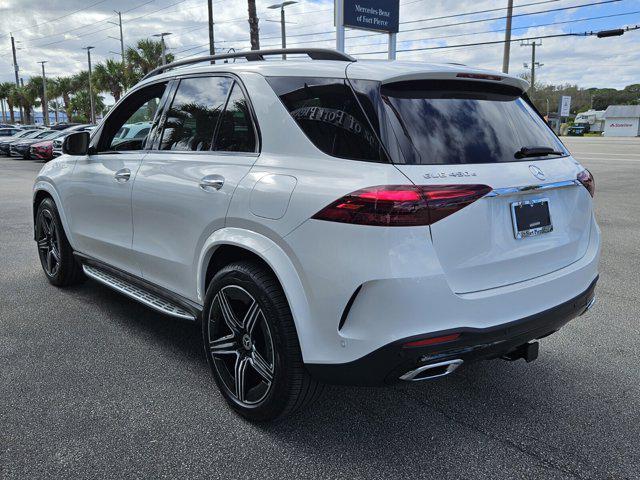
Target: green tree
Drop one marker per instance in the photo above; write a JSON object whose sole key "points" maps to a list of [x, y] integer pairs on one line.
{"points": [[110, 77], [65, 88], [36, 85], [144, 57], [25, 97], [81, 106], [5, 91]]}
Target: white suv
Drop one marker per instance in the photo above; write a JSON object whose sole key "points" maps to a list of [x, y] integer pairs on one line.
{"points": [[328, 221]]}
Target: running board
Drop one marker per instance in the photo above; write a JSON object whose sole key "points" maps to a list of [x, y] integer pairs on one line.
{"points": [[144, 296]]}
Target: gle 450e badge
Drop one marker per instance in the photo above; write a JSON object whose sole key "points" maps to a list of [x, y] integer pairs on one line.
{"points": [[449, 174]]}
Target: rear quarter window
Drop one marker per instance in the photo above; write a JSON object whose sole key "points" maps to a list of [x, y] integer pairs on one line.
{"points": [[330, 115]]}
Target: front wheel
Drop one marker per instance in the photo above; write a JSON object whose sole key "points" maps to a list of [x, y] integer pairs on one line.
{"points": [[54, 250], [252, 346]]}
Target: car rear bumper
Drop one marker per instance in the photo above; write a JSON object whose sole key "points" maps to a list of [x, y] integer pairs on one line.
{"points": [[391, 362]]}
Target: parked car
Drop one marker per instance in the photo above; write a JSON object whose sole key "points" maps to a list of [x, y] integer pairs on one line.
{"points": [[8, 131], [63, 126], [20, 148], [57, 143], [5, 143], [578, 130], [329, 221], [41, 150]]}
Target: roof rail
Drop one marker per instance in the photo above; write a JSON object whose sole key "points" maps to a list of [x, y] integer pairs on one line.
{"points": [[258, 55]]}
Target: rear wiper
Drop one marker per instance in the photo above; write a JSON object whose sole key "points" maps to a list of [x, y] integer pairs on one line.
{"points": [[526, 152]]}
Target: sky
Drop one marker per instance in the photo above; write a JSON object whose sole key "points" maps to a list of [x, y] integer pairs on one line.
{"points": [[57, 30]]}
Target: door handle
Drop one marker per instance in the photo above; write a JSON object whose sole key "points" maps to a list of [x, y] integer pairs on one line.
{"points": [[123, 175], [211, 183]]}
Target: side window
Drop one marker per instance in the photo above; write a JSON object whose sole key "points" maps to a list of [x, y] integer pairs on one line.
{"points": [[133, 116], [236, 133], [194, 113], [329, 114]]}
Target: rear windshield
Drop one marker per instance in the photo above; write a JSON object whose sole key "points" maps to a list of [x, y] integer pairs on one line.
{"points": [[456, 122]]}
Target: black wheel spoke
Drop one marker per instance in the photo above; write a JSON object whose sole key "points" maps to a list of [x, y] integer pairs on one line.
{"points": [[251, 318], [240, 373], [43, 244], [224, 346], [227, 313], [261, 366]]}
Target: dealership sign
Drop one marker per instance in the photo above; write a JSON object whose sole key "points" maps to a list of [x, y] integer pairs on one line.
{"points": [[378, 15]]}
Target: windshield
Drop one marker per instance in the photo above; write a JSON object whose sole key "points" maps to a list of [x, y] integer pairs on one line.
{"points": [[458, 122]]}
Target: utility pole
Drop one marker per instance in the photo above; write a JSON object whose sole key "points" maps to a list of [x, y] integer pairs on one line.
{"points": [[45, 103], [163, 45], [121, 39], [93, 107], [212, 45], [15, 62], [254, 31], [507, 38], [534, 64], [283, 31]]}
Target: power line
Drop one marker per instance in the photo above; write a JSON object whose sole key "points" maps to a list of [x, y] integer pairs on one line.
{"points": [[35, 25], [457, 35], [496, 42]]}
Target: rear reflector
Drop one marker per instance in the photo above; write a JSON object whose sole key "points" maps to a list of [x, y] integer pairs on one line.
{"points": [[401, 205], [432, 341], [587, 180]]}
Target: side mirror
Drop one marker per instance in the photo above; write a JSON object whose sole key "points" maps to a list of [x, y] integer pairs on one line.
{"points": [[76, 143]]}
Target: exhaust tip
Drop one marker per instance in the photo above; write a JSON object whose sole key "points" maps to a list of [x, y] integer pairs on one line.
{"points": [[434, 370], [590, 305]]}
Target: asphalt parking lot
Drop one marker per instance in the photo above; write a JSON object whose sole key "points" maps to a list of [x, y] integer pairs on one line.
{"points": [[94, 385]]}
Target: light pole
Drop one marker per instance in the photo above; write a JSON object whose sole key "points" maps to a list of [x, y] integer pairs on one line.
{"points": [[45, 103], [93, 107], [163, 45], [282, 23]]}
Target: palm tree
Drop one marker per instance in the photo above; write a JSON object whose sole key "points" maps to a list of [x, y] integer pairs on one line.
{"points": [[146, 56], [81, 107], [110, 77], [36, 85], [64, 89], [25, 97], [5, 90]]}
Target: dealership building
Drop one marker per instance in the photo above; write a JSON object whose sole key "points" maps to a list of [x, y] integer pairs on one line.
{"points": [[622, 121]]}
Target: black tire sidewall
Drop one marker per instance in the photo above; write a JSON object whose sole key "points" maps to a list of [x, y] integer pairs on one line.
{"points": [[243, 275]]}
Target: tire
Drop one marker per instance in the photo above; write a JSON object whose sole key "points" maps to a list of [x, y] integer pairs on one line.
{"points": [[55, 253], [262, 346]]}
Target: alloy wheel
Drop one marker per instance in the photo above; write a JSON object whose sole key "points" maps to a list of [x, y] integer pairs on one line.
{"points": [[241, 345], [48, 243]]}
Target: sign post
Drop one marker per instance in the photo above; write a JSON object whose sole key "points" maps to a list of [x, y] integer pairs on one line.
{"points": [[374, 15]]}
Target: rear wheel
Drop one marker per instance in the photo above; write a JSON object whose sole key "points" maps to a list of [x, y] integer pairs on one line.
{"points": [[55, 252], [252, 346]]}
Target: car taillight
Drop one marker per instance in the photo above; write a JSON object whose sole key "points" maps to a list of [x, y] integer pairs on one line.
{"points": [[432, 341], [401, 205], [587, 180]]}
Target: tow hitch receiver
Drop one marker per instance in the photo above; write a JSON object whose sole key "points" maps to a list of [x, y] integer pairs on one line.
{"points": [[528, 351]]}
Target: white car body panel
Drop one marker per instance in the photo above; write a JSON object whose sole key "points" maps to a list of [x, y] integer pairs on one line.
{"points": [[99, 208], [173, 216]]}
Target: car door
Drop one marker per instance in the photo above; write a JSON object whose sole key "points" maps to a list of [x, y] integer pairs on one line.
{"points": [[182, 192], [98, 199]]}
